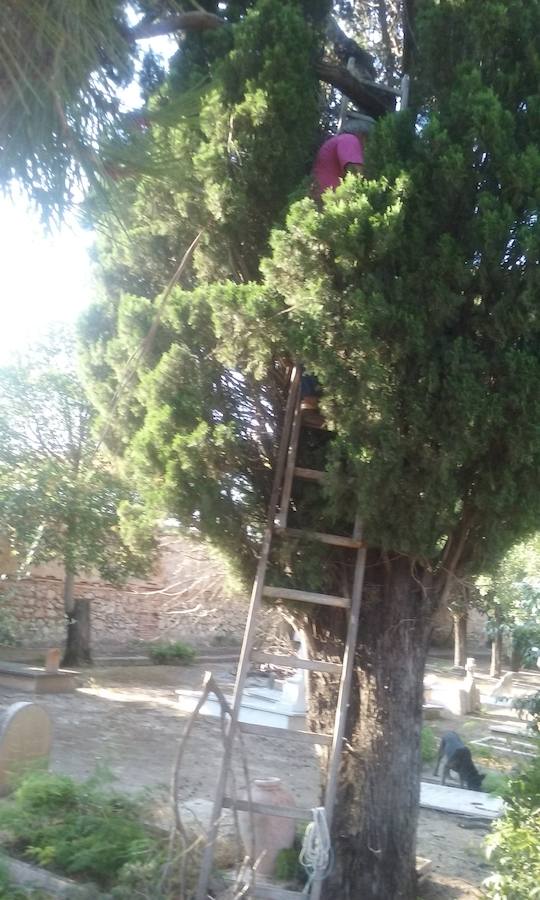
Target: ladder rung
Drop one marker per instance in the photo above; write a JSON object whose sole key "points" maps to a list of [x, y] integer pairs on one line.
{"points": [[273, 892], [305, 737], [295, 662], [269, 809], [337, 540], [264, 890], [309, 474], [306, 597]]}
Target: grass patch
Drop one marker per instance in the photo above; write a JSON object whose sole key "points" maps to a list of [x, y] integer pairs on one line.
{"points": [[171, 654], [428, 744]]}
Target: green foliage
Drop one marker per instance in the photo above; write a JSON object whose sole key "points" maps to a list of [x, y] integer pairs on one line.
{"points": [[410, 294], [173, 653], [494, 783], [515, 839], [530, 705], [60, 63], [59, 494], [509, 594], [428, 744], [77, 829], [287, 866]]}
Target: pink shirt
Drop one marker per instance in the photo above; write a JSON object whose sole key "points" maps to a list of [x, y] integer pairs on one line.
{"points": [[336, 153]]}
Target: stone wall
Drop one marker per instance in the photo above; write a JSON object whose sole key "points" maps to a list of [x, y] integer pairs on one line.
{"points": [[188, 597], [443, 629]]}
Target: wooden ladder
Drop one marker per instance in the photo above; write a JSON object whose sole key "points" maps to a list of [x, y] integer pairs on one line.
{"points": [[285, 473]]}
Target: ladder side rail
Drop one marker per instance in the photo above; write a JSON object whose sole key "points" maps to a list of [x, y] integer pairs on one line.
{"points": [[258, 584], [286, 491], [340, 720], [249, 635], [293, 401]]}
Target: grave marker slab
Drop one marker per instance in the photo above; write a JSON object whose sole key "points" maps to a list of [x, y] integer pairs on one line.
{"points": [[25, 742]]}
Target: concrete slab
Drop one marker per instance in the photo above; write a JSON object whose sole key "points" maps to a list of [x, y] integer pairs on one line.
{"points": [[36, 679], [459, 801], [256, 710], [507, 745], [34, 877]]}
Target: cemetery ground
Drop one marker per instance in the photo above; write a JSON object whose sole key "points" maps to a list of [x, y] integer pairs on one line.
{"points": [[126, 719]]}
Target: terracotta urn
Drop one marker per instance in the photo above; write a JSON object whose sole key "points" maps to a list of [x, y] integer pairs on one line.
{"points": [[272, 833]]}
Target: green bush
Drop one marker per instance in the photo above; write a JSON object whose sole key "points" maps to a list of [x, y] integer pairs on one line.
{"points": [[172, 653], [428, 744], [76, 829], [530, 705], [494, 783], [513, 845]]}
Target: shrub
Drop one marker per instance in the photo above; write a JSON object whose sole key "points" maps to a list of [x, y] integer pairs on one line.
{"points": [[428, 744], [530, 705], [172, 653], [494, 783], [513, 845], [80, 829]]}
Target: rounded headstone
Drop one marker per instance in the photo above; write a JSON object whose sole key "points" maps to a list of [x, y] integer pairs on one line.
{"points": [[25, 742]]}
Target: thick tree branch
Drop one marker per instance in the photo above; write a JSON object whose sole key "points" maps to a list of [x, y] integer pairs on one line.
{"points": [[345, 48], [374, 102], [409, 40], [189, 21]]}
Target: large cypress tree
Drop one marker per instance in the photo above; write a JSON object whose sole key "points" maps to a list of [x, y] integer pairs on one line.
{"points": [[411, 294]]}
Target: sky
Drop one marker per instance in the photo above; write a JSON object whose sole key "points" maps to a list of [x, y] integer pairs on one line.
{"points": [[45, 278]]}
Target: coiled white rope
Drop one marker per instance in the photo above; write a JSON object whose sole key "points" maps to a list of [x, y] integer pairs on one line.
{"points": [[316, 856]]}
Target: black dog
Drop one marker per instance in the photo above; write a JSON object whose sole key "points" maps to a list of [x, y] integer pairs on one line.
{"points": [[458, 759]]}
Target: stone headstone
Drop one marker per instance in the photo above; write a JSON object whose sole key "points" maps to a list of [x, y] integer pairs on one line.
{"points": [[52, 660], [472, 692], [25, 742], [458, 701], [503, 688]]}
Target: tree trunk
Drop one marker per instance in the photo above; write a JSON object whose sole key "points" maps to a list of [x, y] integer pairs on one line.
{"points": [[496, 656], [460, 638], [77, 651], [374, 827], [516, 658]]}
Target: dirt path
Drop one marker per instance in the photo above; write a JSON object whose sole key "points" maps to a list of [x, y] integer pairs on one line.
{"points": [[126, 719]]}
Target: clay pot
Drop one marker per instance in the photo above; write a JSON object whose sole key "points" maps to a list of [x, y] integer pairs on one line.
{"points": [[272, 833]]}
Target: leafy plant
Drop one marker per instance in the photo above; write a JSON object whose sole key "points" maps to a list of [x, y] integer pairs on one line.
{"points": [[173, 653], [428, 744], [513, 844], [287, 866], [494, 783], [530, 705], [77, 829]]}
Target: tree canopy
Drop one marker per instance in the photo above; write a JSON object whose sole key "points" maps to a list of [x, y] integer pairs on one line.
{"points": [[64, 62], [410, 294]]}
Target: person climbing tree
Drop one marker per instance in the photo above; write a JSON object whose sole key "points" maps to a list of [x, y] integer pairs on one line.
{"points": [[341, 153]]}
